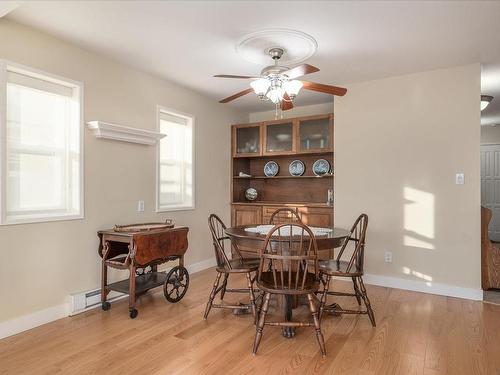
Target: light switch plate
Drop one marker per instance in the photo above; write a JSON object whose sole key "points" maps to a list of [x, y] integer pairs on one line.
{"points": [[140, 206], [459, 179]]}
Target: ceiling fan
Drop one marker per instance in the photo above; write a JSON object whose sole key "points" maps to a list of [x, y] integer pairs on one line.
{"points": [[279, 84]]}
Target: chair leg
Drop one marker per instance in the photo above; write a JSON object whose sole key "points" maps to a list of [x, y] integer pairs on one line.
{"points": [[324, 296], [262, 321], [212, 295], [317, 326], [356, 290], [259, 307], [366, 300], [252, 297], [224, 286]]}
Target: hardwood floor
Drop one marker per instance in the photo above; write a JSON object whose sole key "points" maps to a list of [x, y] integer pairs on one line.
{"points": [[416, 334]]}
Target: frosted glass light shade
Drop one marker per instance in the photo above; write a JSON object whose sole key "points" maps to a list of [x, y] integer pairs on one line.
{"points": [[260, 86], [276, 94], [292, 88]]}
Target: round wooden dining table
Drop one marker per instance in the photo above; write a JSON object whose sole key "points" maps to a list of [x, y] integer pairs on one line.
{"points": [[247, 239]]}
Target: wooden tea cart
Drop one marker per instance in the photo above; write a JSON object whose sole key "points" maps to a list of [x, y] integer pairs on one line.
{"points": [[140, 248]]}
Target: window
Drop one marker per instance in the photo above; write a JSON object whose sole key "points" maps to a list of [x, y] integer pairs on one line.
{"points": [[42, 151], [175, 161]]}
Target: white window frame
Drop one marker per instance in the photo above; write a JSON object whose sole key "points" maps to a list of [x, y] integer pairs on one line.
{"points": [[191, 118], [5, 66]]}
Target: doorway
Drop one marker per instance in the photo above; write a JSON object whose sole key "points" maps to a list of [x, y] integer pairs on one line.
{"points": [[490, 186], [490, 198]]}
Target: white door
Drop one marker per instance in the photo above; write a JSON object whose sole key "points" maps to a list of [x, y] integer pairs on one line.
{"points": [[490, 186]]}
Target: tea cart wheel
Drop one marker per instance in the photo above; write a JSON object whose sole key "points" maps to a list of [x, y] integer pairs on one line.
{"points": [[133, 313], [106, 306], [176, 284]]}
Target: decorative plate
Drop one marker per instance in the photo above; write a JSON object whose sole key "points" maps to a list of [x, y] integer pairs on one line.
{"points": [[296, 168], [251, 194], [271, 169], [321, 167]]}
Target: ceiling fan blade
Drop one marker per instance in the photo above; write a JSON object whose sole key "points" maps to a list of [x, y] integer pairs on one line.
{"points": [[286, 105], [233, 76], [300, 71], [236, 96], [326, 89]]}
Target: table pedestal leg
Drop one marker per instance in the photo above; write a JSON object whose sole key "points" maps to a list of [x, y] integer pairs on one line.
{"points": [[288, 331]]}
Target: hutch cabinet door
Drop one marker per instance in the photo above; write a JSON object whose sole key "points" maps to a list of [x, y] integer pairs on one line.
{"points": [[279, 137], [267, 212], [315, 134], [246, 140], [317, 216], [246, 215]]}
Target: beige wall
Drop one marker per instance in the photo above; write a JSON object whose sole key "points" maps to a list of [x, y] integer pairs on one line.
{"points": [[395, 160], [490, 135], [398, 144], [305, 110], [43, 263]]}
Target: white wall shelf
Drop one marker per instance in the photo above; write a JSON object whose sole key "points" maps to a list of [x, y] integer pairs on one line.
{"points": [[106, 130]]}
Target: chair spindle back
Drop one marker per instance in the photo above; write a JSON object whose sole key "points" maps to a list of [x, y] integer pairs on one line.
{"points": [[285, 215], [289, 252], [358, 239], [217, 229]]}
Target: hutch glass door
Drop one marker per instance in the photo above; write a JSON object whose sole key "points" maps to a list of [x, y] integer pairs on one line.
{"points": [[247, 141], [315, 135], [279, 138]]}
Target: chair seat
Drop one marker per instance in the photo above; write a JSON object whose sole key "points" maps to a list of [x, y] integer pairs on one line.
{"points": [[338, 268], [266, 283], [241, 265]]}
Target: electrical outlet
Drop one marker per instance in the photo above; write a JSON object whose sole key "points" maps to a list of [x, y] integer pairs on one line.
{"points": [[388, 256], [140, 206]]}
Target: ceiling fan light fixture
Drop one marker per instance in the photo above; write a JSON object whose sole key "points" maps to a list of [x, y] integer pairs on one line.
{"points": [[278, 83], [260, 87], [276, 94], [292, 88], [485, 101]]}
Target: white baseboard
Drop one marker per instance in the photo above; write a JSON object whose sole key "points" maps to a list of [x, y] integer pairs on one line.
{"points": [[424, 286], [38, 318], [200, 266], [29, 321]]}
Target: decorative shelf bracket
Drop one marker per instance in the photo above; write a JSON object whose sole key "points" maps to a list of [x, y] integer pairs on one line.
{"points": [[106, 130]]}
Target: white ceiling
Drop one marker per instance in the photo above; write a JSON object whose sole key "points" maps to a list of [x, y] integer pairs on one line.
{"points": [[188, 41]]}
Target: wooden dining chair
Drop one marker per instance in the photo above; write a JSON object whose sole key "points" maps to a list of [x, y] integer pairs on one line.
{"points": [[351, 268], [285, 215], [292, 253], [227, 266]]}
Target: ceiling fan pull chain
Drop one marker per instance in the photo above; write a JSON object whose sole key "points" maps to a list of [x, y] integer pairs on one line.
{"points": [[276, 107]]}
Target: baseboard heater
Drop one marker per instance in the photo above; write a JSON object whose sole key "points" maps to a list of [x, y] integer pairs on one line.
{"points": [[81, 302]]}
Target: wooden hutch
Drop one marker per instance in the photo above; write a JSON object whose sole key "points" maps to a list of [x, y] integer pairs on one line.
{"points": [[283, 141]]}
